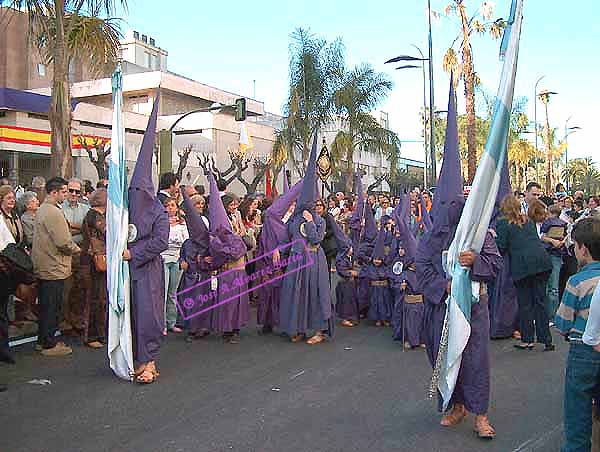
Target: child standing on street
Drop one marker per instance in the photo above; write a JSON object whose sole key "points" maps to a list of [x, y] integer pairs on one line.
{"points": [[572, 317]]}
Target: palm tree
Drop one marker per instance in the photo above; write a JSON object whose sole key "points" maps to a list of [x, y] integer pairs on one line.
{"points": [[361, 91], [478, 24], [583, 175], [316, 69], [520, 153], [69, 31]]}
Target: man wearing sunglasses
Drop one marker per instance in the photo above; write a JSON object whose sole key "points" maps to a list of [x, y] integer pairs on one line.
{"points": [[75, 211]]}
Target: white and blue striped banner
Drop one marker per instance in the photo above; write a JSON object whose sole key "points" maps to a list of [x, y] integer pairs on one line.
{"points": [[475, 219], [120, 349]]}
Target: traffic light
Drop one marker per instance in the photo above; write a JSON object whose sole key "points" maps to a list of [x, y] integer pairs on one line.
{"points": [[240, 109]]}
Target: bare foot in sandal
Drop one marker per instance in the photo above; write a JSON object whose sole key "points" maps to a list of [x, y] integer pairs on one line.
{"points": [[149, 374], [455, 416], [316, 339], [483, 428]]}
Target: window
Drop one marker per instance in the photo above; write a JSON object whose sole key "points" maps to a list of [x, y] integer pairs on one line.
{"points": [[41, 68], [147, 60]]}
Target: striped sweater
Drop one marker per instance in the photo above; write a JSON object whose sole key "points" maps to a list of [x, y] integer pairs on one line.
{"points": [[572, 314]]}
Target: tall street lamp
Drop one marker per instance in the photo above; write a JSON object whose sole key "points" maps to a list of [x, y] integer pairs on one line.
{"points": [[431, 103], [409, 58], [568, 131], [535, 128]]}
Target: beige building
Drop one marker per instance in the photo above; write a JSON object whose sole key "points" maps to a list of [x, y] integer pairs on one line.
{"points": [[144, 70]]}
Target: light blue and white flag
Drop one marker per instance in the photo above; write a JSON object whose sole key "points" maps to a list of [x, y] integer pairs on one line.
{"points": [[120, 350], [475, 219]]}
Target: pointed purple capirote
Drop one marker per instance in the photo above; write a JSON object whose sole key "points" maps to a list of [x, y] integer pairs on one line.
{"points": [[274, 231], [379, 248], [425, 218], [195, 225], [356, 219], [151, 237], [408, 241], [309, 191], [143, 204], [449, 194], [217, 216]]}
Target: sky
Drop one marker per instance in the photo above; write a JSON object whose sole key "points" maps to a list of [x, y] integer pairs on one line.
{"points": [[236, 45]]}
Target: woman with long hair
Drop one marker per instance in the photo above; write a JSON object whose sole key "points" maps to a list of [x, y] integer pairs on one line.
{"points": [[177, 235], [538, 213], [93, 275], [530, 267]]}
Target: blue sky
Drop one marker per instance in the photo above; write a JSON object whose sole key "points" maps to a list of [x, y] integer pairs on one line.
{"points": [[228, 44]]}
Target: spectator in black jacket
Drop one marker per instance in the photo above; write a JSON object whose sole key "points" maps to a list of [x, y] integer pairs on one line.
{"points": [[530, 267]]}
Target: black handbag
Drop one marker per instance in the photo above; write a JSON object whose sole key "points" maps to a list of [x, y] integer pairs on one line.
{"points": [[18, 257]]}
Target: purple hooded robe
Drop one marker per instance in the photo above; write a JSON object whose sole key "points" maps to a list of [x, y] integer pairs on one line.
{"points": [[151, 223], [407, 318], [473, 384], [193, 252], [273, 234], [305, 294], [227, 250]]}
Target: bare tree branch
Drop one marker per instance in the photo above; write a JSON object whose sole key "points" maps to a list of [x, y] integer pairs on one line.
{"points": [[98, 159], [184, 155]]}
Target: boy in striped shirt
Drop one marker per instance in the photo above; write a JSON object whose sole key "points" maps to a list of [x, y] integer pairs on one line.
{"points": [[582, 379]]}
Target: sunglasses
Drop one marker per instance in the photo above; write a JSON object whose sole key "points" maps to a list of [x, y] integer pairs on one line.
{"points": [[320, 205], [72, 190]]}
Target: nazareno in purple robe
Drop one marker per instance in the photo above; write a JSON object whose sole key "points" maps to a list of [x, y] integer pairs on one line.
{"points": [[273, 234], [198, 271], [504, 308], [194, 250], [473, 384], [407, 318], [380, 294], [305, 294], [346, 292], [228, 251], [151, 223]]}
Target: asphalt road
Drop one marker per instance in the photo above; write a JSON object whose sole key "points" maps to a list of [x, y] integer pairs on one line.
{"points": [[360, 392]]}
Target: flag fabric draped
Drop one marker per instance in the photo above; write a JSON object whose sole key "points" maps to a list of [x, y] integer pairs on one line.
{"points": [[245, 143], [475, 219], [120, 349]]}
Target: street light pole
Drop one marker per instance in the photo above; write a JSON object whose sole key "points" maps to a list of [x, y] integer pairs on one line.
{"points": [[535, 129], [410, 58], [433, 174], [425, 178]]}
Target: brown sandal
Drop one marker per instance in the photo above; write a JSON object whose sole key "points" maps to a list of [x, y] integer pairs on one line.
{"points": [[455, 417], [316, 339], [347, 323], [484, 429], [146, 377], [297, 338]]}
